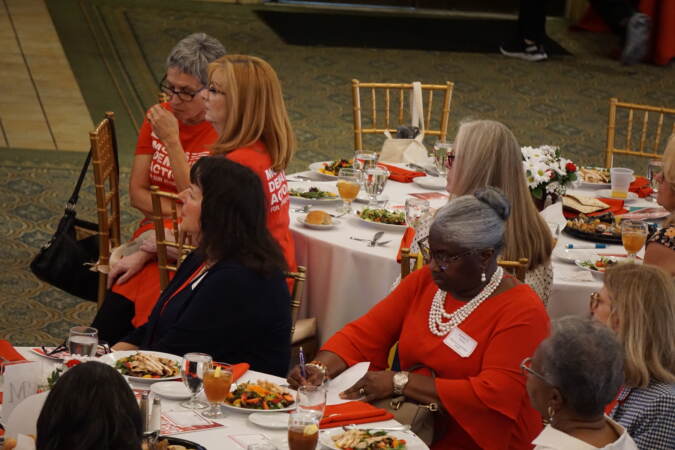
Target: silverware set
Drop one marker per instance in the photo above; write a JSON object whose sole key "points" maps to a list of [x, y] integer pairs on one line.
{"points": [[305, 209], [372, 242]]}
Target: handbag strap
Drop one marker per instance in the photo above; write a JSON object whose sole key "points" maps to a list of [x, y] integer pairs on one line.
{"points": [[72, 201]]}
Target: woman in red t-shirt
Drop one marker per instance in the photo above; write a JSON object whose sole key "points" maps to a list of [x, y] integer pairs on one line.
{"points": [[174, 135], [245, 105]]}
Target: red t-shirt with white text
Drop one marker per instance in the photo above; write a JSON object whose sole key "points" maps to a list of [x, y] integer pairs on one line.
{"points": [[195, 139]]}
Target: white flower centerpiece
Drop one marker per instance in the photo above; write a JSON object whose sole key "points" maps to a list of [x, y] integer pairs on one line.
{"points": [[547, 172]]}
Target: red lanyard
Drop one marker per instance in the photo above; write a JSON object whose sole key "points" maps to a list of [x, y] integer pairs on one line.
{"points": [[199, 271]]}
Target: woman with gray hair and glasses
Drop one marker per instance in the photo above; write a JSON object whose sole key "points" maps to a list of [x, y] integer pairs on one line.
{"points": [[571, 377], [174, 135], [460, 318]]}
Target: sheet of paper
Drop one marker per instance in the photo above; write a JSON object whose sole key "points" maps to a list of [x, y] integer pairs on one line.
{"points": [[244, 440], [20, 380], [176, 422], [344, 381], [24, 442]]}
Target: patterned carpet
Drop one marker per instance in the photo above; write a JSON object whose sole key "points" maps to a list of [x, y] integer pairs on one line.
{"points": [[117, 48]]}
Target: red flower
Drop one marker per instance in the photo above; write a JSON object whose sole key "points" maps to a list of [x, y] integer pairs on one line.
{"points": [[570, 167], [72, 363]]}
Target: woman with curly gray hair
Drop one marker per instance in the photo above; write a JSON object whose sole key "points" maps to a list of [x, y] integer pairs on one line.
{"points": [[571, 377]]}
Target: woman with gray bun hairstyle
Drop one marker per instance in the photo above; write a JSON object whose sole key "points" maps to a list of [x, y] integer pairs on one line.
{"points": [[173, 136], [571, 377], [461, 317]]}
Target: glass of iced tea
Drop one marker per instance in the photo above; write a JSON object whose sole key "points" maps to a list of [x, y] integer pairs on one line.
{"points": [[633, 236], [217, 382], [303, 430], [348, 185]]}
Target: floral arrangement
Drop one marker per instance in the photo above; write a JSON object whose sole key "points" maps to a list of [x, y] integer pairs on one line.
{"points": [[61, 368], [546, 171]]}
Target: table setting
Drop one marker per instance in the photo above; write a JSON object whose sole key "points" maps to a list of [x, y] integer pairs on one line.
{"points": [[193, 401]]}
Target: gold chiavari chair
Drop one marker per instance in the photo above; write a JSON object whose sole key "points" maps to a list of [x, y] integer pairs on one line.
{"points": [[406, 261], [517, 268], [649, 141], [303, 331], [181, 241], [106, 181], [392, 95]]}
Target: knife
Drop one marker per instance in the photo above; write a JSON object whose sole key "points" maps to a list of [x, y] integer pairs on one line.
{"points": [[376, 238]]}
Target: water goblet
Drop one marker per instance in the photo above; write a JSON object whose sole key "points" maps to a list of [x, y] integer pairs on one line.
{"points": [[348, 185], [633, 236], [365, 160], [654, 167], [217, 383], [415, 210], [192, 372], [83, 341], [374, 182], [312, 399], [303, 430], [441, 151]]}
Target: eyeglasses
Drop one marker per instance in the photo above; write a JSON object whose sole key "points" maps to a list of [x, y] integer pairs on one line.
{"points": [[213, 91], [444, 260], [185, 96], [526, 367]]}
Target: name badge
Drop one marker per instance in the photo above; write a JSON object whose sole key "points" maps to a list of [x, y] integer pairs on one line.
{"points": [[460, 342]]}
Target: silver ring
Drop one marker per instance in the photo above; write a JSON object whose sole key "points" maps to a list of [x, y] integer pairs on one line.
{"points": [[362, 392]]}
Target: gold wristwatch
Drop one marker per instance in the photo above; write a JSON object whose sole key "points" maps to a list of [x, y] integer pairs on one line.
{"points": [[400, 380]]}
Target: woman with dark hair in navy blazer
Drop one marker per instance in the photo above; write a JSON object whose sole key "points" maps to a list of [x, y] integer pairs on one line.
{"points": [[229, 298]]}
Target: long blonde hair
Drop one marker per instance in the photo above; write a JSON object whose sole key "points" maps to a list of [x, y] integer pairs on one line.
{"points": [[488, 154], [255, 108], [643, 308], [669, 173]]}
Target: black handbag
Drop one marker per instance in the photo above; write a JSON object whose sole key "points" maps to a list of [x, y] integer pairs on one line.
{"points": [[65, 261]]}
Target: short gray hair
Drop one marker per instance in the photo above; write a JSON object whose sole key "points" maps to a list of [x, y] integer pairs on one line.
{"points": [[193, 54], [475, 221], [584, 360]]}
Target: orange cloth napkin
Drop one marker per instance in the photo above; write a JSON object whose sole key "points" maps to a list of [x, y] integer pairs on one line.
{"points": [[401, 175], [8, 351], [237, 369], [406, 241], [352, 413], [641, 187]]}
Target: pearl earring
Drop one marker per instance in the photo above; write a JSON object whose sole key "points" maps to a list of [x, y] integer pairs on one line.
{"points": [[483, 278]]}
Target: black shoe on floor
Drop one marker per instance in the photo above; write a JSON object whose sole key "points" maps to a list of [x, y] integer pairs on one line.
{"points": [[638, 33], [521, 49]]}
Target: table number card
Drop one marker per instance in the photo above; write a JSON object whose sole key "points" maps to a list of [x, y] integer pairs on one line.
{"points": [[20, 381]]}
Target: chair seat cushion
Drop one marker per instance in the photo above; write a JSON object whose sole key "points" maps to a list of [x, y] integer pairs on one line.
{"points": [[304, 329]]}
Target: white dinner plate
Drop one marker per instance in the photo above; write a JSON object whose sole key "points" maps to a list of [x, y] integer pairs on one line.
{"points": [[411, 439], [314, 167], [570, 255], [277, 420], [111, 359], [428, 182], [363, 197], [306, 185], [607, 193], [596, 273], [382, 226], [173, 390], [301, 221], [261, 411]]}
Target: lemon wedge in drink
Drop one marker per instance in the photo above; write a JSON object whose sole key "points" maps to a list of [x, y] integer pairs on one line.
{"points": [[216, 373], [310, 429]]}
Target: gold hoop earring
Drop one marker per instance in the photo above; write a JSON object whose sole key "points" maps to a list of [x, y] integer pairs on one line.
{"points": [[551, 413]]}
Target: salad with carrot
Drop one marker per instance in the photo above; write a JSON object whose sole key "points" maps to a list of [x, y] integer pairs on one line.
{"points": [[262, 394]]}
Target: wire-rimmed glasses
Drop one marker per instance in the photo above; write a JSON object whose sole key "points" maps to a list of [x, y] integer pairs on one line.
{"points": [[185, 96]]}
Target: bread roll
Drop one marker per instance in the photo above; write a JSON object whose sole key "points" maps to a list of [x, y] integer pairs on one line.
{"points": [[318, 217]]}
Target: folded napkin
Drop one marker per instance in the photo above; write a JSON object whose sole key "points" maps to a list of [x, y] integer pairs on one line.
{"points": [[406, 242], [401, 175], [237, 369], [8, 352], [352, 413], [641, 187]]}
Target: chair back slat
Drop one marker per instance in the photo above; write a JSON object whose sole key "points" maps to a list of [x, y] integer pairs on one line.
{"points": [[648, 146], [106, 184], [407, 260], [381, 113], [299, 277], [517, 268]]}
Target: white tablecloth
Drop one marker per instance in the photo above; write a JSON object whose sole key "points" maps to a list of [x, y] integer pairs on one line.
{"points": [[346, 278], [215, 439]]}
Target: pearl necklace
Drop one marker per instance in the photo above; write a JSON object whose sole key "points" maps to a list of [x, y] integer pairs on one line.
{"points": [[437, 311]]}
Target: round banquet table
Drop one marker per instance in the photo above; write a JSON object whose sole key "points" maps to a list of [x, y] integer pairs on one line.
{"points": [[217, 438], [345, 278]]}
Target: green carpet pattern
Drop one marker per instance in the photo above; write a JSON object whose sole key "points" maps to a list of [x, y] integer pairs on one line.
{"points": [[117, 50]]}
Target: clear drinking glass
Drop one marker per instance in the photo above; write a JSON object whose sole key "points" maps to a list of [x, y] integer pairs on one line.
{"points": [[348, 185], [441, 150], [303, 431], [415, 210], [633, 236], [312, 400], [374, 182], [83, 341], [217, 383], [194, 367], [654, 167], [365, 160]]}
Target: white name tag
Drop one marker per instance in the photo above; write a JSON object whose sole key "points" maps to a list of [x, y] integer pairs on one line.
{"points": [[460, 342]]}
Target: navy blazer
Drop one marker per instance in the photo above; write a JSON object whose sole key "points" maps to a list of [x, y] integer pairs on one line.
{"points": [[231, 313]]}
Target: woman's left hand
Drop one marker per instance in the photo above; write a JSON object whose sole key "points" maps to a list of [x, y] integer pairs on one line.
{"points": [[373, 386], [164, 124]]}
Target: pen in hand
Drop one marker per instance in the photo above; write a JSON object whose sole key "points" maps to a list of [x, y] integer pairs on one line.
{"points": [[303, 370]]}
